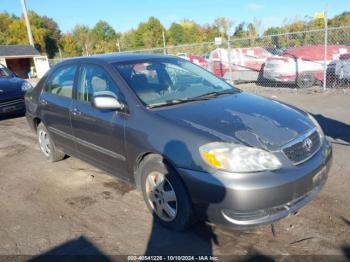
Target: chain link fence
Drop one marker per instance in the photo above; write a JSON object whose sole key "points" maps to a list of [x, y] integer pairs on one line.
{"points": [[306, 59], [312, 59]]}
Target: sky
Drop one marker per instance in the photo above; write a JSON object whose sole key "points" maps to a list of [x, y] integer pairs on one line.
{"points": [[125, 14]]}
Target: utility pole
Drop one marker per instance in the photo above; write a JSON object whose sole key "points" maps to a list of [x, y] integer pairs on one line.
{"points": [[59, 50], [29, 30], [325, 47], [118, 45], [164, 44]]}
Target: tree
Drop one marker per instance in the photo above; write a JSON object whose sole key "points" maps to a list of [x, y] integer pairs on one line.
{"points": [[127, 40], [252, 34], [103, 32], [69, 46], [340, 20], [224, 25], [149, 34], [46, 33], [5, 22], [104, 38], [240, 30], [176, 34], [82, 36]]}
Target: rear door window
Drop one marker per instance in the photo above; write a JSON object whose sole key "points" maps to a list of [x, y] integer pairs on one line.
{"points": [[61, 81]]}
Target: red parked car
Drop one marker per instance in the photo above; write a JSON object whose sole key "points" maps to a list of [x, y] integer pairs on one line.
{"points": [[198, 60]]}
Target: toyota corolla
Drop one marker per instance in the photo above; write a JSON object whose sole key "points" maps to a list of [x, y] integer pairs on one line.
{"points": [[197, 147]]}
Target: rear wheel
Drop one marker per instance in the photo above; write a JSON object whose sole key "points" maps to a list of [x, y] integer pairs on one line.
{"points": [[165, 194], [305, 80], [47, 146]]}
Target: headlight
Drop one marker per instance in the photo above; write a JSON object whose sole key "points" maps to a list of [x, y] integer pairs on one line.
{"points": [[26, 86], [317, 125], [238, 158]]}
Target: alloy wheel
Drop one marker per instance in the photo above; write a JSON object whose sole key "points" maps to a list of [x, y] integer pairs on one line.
{"points": [[161, 196], [44, 142]]}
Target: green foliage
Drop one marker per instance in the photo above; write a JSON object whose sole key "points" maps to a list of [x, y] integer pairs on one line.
{"points": [[45, 32], [340, 20], [82, 37], [149, 34], [176, 34], [69, 46], [103, 38], [103, 31]]}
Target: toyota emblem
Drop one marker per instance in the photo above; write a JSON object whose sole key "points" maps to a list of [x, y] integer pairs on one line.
{"points": [[307, 144]]}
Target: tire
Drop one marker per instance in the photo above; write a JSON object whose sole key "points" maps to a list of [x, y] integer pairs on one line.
{"points": [[305, 80], [166, 193], [47, 146]]}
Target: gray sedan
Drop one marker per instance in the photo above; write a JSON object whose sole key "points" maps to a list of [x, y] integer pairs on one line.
{"points": [[197, 147]]}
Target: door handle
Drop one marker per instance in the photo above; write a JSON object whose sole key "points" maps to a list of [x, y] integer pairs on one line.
{"points": [[76, 112], [43, 102]]}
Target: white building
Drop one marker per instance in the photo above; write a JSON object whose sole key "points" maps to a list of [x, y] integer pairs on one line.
{"points": [[20, 59]]}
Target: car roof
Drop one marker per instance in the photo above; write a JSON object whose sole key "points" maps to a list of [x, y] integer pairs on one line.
{"points": [[116, 57]]}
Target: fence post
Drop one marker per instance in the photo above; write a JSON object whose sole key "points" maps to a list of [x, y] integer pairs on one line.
{"points": [[229, 57], [325, 48]]}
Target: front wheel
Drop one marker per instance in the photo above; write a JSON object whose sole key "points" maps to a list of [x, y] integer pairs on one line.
{"points": [[305, 80], [47, 146], [165, 194]]}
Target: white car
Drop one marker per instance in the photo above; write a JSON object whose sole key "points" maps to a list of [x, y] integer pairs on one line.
{"points": [[246, 63], [343, 68], [302, 65]]}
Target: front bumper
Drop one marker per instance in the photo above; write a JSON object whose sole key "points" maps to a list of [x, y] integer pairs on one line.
{"points": [[247, 200]]}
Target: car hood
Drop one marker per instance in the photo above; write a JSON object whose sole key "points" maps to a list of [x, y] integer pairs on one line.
{"points": [[10, 87], [242, 118]]}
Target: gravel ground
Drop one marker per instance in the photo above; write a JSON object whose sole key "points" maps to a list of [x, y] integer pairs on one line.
{"points": [[70, 207]]}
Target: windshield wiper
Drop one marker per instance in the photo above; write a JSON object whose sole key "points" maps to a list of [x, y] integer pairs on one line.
{"points": [[206, 96], [169, 103], [213, 94]]}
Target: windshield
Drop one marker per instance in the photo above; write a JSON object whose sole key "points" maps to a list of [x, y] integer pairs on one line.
{"points": [[169, 81]]}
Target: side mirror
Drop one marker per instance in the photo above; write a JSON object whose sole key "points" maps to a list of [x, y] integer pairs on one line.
{"points": [[106, 102]]}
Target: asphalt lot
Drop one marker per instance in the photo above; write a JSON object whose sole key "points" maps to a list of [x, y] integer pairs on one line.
{"points": [[70, 207]]}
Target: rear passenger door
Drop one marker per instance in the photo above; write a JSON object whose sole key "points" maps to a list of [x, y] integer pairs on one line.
{"points": [[55, 103], [99, 133]]}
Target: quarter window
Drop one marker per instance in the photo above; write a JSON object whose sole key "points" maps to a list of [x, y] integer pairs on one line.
{"points": [[95, 80], [4, 72], [62, 80]]}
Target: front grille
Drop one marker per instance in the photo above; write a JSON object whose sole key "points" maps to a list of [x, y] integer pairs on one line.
{"points": [[303, 149], [12, 102]]}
